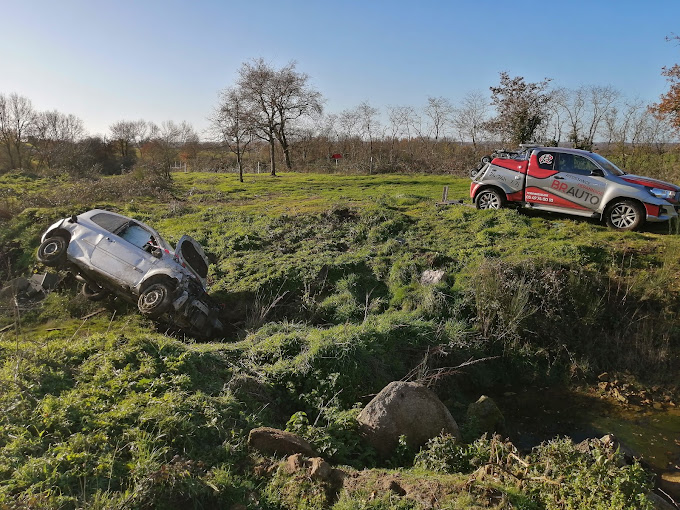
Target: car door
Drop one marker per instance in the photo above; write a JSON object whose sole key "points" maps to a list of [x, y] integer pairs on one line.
{"points": [[121, 256], [191, 255]]}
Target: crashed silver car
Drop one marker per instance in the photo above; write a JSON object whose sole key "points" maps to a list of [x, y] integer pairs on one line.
{"points": [[111, 253]]}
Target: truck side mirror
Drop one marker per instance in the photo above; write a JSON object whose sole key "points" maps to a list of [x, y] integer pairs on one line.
{"points": [[597, 173]]}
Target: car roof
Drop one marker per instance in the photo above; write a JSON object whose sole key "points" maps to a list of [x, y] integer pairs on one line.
{"points": [[92, 212]]}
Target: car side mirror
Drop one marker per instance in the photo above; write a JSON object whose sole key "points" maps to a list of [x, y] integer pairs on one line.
{"points": [[156, 252], [597, 173]]}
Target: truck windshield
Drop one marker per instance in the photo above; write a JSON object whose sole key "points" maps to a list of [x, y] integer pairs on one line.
{"points": [[606, 164]]}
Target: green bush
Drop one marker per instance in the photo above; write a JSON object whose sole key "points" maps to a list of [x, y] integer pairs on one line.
{"points": [[596, 479]]}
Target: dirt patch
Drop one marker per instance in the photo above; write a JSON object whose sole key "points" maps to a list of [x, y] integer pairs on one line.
{"points": [[431, 491]]}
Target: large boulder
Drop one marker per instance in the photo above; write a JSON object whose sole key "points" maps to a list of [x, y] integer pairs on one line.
{"points": [[484, 416], [405, 409], [272, 441]]}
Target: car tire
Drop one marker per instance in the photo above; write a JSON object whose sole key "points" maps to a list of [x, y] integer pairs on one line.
{"points": [[625, 215], [155, 300], [93, 292], [489, 198], [52, 251]]}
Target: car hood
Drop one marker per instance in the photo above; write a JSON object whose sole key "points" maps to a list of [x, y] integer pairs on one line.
{"points": [[192, 256], [649, 182]]}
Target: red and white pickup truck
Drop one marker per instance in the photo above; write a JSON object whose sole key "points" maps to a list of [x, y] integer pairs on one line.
{"points": [[572, 181]]}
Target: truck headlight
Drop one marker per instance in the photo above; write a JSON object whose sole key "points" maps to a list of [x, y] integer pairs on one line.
{"points": [[665, 194]]}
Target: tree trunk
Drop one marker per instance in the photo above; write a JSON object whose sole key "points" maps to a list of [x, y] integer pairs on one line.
{"points": [[286, 154], [272, 156]]}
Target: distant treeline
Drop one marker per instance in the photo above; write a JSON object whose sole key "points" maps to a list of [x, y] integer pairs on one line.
{"points": [[440, 137]]}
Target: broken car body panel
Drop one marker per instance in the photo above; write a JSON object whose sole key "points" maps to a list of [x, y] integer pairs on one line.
{"points": [[108, 251]]}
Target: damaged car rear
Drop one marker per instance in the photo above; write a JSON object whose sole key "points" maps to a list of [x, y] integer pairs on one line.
{"points": [[113, 254]]}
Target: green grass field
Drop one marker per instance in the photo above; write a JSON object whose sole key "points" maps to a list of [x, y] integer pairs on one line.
{"points": [[320, 277]]}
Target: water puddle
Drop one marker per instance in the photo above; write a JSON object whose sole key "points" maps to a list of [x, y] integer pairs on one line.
{"points": [[535, 415]]}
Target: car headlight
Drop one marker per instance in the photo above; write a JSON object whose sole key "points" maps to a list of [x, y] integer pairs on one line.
{"points": [[666, 194]]}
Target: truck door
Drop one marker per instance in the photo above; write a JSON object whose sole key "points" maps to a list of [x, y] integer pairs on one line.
{"points": [[562, 180], [580, 183], [539, 177]]}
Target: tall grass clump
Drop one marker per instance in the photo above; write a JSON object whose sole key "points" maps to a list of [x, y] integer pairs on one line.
{"points": [[575, 317]]}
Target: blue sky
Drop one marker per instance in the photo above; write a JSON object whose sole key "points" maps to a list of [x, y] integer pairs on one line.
{"points": [[105, 61]]}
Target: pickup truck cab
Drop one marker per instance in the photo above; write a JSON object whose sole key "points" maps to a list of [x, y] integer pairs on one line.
{"points": [[575, 182]]}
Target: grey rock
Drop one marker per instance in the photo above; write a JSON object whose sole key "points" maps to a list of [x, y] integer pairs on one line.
{"points": [[408, 409], [485, 416], [432, 276]]}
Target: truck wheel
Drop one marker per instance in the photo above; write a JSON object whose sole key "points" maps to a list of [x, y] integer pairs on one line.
{"points": [[52, 251], [489, 199], [155, 300], [625, 215], [93, 292]]}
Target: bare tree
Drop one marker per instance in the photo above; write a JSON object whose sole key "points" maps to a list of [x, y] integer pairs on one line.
{"points": [[232, 124], [17, 119], [257, 85], [557, 118], [327, 131], [470, 118], [294, 100], [54, 137], [348, 130], [166, 141], [400, 118], [370, 127], [277, 98], [572, 104], [439, 110], [600, 100], [585, 111], [128, 135]]}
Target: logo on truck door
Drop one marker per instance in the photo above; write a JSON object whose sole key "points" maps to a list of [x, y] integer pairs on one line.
{"points": [[580, 192], [546, 159]]}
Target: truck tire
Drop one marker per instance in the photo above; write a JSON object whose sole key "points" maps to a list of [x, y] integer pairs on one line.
{"points": [[489, 198], [625, 215]]}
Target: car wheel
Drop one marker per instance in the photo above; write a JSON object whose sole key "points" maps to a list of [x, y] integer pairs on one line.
{"points": [[625, 215], [489, 199], [155, 300], [52, 251], [93, 292]]}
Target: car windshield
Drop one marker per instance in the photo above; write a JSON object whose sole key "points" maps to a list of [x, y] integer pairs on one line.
{"points": [[606, 164]]}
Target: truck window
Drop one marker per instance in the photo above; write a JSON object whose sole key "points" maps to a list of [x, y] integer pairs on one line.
{"points": [[575, 164], [546, 160]]}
